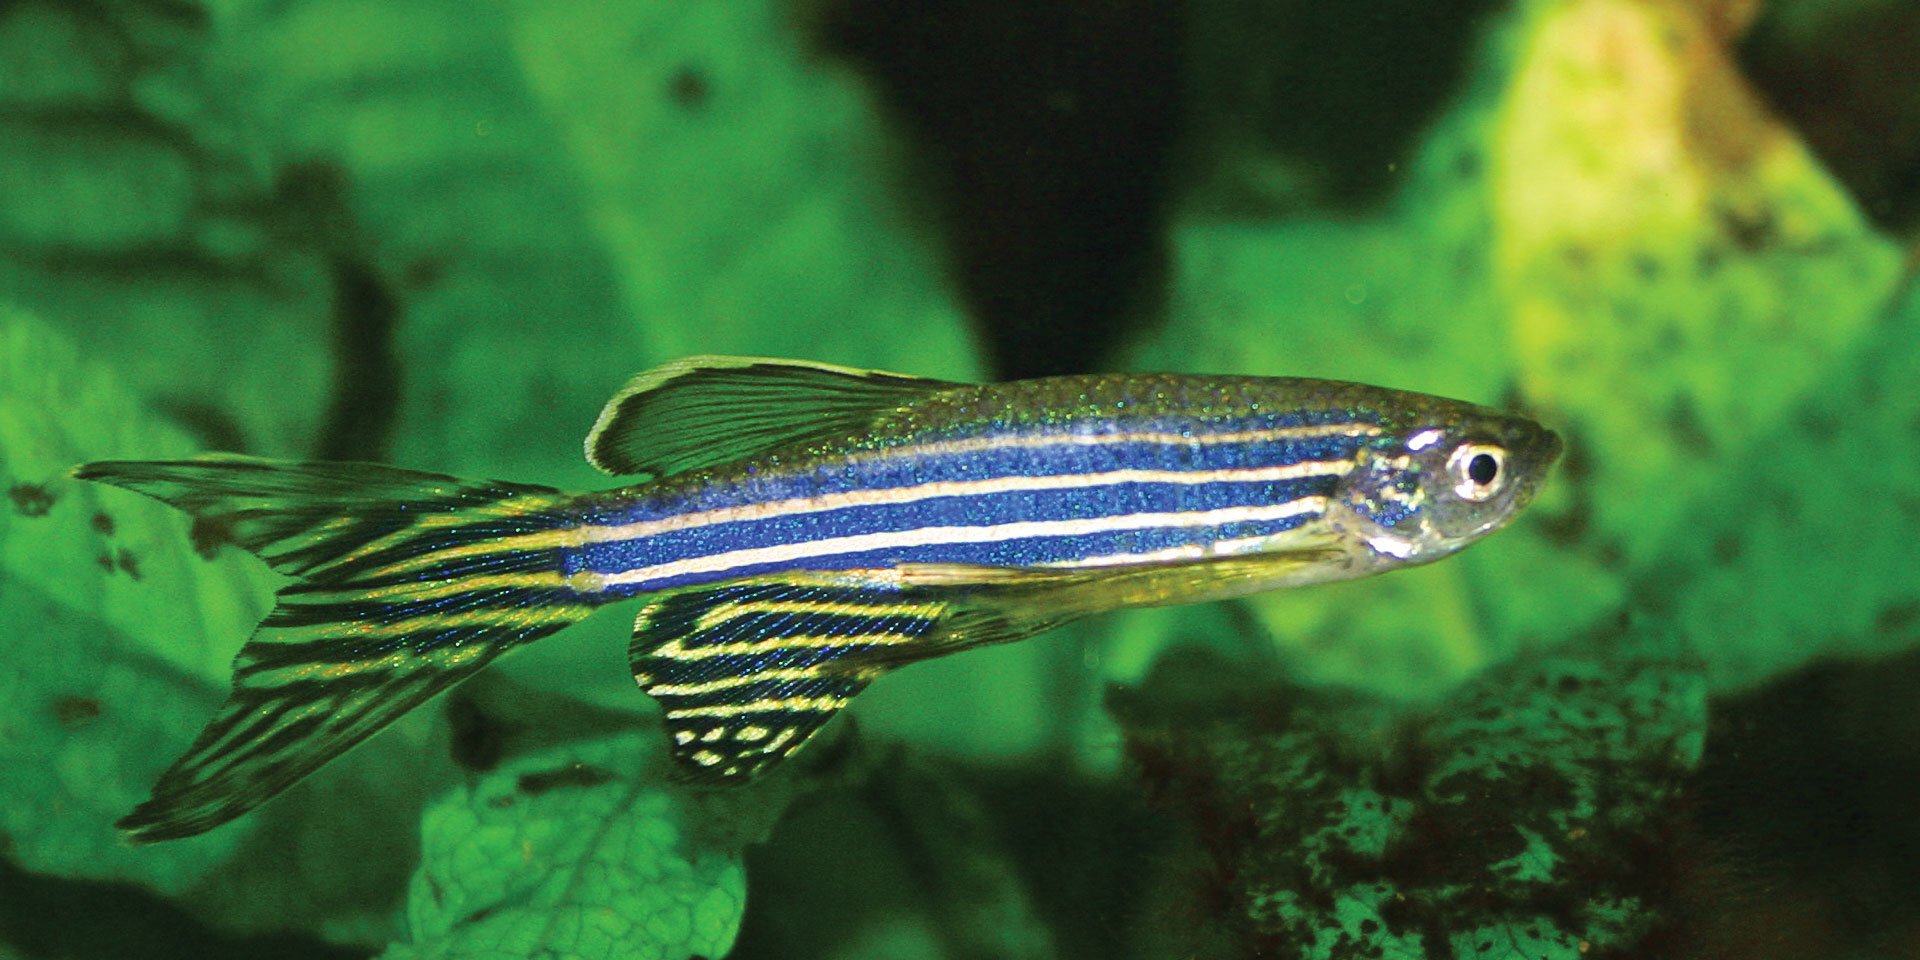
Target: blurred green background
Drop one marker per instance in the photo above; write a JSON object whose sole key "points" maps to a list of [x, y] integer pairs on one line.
{"points": [[1672, 712]]}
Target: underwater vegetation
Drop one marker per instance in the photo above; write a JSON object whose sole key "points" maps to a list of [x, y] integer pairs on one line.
{"points": [[1668, 713]]}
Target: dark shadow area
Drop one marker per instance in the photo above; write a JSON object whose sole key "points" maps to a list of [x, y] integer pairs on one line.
{"points": [[1809, 788], [366, 372], [1052, 140], [1043, 134], [37, 914], [1844, 78], [364, 398], [1345, 90], [977, 857]]}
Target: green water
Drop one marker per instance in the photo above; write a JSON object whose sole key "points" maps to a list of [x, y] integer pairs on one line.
{"points": [[1669, 713]]}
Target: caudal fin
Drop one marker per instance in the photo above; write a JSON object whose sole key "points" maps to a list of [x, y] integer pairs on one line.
{"points": [[410, 583]]}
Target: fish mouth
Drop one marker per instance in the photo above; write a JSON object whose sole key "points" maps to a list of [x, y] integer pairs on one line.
{"points": [[1547, 447], [1539, 449]]}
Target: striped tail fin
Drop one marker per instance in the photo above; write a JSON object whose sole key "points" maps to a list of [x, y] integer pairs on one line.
{"points": [[410, 583]]}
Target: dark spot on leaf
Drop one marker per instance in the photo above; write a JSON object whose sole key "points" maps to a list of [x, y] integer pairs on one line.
{"points": [[75, 712], [30, 499], [209, 534], [502, 802], [1727, 547], [480, 914], [1819, 425], [105, 562], [1897, 619], [1708, 260], [103, 524], [1683, 421], [689, 88], [424, 272], [1646, 267], [1751, 231], [571, 775], [1870, 389], [478, 740], [1369, 926], [1669, 341], [128, 563], [1785, 503], [1576, 464], [1570, 525], [1570, 684]]}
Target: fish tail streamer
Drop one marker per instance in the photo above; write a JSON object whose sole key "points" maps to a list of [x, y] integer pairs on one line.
{"points": [[407, 584]]}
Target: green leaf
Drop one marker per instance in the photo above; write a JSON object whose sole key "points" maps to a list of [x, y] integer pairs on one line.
{"points": [[1522, 818], [410, 127], [1676, 284], [1806, 550], [559, 195], [1670, 292], [119, 631], [577, 851], [140, 220], [759, 221]]}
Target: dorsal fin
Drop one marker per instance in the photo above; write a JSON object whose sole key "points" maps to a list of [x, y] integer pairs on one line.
{"points": [[707, 410]]}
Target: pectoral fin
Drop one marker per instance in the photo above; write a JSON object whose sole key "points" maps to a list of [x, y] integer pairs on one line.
{"points": [[1078, 591]]}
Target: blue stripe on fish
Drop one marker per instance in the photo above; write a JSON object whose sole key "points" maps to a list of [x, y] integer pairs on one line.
{"points": [[980, 510], [910, 465], [1033, 477]]}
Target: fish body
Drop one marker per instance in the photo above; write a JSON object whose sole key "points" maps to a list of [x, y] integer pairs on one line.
{"points": [[1068, 472], [801, 529]]}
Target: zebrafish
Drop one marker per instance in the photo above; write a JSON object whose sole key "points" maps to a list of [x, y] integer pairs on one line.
{"points": [[796, 530]]}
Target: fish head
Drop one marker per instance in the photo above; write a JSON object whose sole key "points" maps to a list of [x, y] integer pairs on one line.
{"points": [[1439, 481]]}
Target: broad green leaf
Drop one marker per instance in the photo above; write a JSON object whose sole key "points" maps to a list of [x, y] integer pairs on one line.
{"points": [[1679, 270], [119, 631], [577, 851], [558, 195], [1806, 549], [740, 184], [1511, 821], [410, 120], [1606, 229], [139, 218]]}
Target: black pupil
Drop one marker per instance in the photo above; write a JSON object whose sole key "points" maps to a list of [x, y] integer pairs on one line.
{"points": [[1482, 468]]}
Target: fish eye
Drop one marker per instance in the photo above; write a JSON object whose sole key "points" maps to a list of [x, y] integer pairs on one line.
{"points": [[1478, 470], [1483, 468]]}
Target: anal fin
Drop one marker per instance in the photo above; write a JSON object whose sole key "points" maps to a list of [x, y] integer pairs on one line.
{"points": [[746, 672]]}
